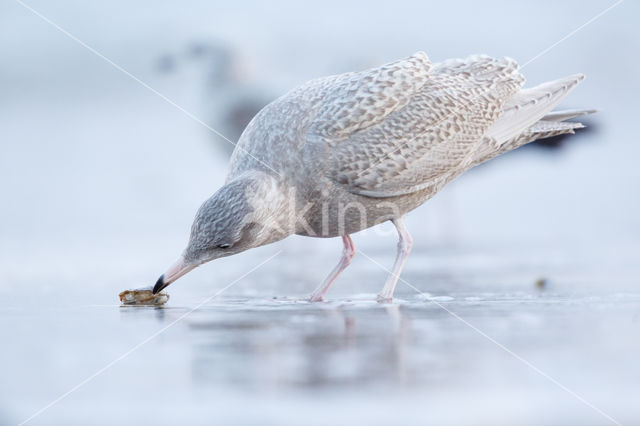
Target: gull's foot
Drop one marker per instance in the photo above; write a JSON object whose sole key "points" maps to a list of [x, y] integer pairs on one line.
{"points": [[314, 298], [381, 298]]}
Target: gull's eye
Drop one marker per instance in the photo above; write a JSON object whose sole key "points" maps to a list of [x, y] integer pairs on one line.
{"points": [[224, 246]]}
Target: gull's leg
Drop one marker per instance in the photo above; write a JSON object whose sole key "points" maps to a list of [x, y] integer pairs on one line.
{"points": [[405, 243], [347, 255]]}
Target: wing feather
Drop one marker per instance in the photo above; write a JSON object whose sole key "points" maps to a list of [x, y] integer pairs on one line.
{"points": [[359, 100], [435, 133]]}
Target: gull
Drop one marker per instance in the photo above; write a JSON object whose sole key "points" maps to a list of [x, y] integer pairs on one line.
{"points": [[346, 152], [230, 100]]}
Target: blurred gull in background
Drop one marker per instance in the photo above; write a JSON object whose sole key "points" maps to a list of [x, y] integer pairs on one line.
{"points": [[230, 100]]}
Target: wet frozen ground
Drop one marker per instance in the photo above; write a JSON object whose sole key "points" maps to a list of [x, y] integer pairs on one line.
{"points": [[464, 349]]}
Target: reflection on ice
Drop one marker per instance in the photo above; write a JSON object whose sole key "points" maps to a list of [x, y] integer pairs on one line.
{"points": [[309, 347]]}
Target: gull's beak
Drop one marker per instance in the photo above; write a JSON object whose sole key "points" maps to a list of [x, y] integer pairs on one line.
{"points": [[175, 271]]}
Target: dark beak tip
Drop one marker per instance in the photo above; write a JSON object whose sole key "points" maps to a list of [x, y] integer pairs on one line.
{"points": [[159, 285]]}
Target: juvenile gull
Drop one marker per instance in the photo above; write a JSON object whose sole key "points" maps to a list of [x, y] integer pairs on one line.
{"points": [[343, 153]]}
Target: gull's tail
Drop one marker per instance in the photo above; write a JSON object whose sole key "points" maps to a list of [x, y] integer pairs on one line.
{"points": [[567, 114], [527, 117]]}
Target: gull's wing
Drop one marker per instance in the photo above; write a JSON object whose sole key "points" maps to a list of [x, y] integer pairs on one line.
{"points": [[314, 117], [431, 128], [351, 102]]}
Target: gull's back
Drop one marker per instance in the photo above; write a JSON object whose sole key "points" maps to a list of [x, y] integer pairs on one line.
{"points": [[402, 129]]}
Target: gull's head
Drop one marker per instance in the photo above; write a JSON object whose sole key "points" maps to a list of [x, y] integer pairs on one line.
{"points": [[236, 218]]}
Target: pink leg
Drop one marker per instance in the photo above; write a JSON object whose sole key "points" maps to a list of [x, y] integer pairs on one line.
{"points": [[404, 248], [347, 255]]}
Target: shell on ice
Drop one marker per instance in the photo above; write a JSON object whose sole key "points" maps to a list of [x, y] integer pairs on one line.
{"points": [[143, 296]]}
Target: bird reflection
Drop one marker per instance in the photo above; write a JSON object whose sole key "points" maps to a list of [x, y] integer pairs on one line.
{"points": [[306, 347]]}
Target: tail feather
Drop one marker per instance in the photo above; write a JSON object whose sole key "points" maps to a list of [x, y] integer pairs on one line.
{"points": [[540, 130], [530, 105], [567, 114]]}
